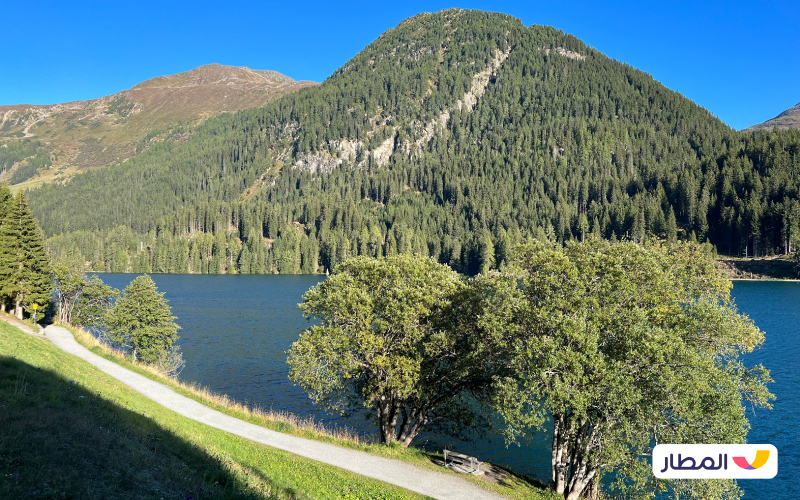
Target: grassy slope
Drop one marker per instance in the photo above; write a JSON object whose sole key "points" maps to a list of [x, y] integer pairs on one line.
{"points": [[68, 430], [103, 135], [506, 482]]}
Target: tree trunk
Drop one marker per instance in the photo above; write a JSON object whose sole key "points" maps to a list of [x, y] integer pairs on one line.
{"points": [[3, 307], [559, 459], [408, 436], [592, 491], [18, 310], [387, 420], [581, 472], [581, 485], [404, 425]]}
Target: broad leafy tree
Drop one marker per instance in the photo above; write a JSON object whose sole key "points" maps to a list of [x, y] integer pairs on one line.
{"points": [[142, 321], [619, 347], [81, 301], [399, 337]]}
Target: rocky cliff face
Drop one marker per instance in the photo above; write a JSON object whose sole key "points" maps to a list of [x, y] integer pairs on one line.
{"points": [[84, 135]]}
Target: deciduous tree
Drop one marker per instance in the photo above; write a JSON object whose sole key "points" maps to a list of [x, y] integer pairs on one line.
{"points": [[81, 301], [621, 347], [403, 337]]}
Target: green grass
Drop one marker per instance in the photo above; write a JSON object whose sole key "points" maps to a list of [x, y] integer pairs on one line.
{"points": [[68, 430], [503, 481]]}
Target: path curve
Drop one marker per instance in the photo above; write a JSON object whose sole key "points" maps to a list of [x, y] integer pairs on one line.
{"points": [[419, 480]]}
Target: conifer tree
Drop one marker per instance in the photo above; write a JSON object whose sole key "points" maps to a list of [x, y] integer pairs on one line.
{"points": [[142, 321], [554, 143], [5, 204], [25, 275], [487, 253], [672, 227], [5, 201]]}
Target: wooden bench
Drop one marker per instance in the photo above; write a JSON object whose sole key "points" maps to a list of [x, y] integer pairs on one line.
{"points": [[462, 463]]}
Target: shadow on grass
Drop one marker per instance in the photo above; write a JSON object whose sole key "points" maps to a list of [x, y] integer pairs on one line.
{"points": [[496, 474], [59, 440]]}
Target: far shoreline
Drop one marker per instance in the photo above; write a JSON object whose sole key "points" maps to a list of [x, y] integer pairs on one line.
{"points": [[779, 280]]}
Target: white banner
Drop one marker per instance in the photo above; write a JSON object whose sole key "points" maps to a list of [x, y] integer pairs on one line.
{"points": [[715, 461]]}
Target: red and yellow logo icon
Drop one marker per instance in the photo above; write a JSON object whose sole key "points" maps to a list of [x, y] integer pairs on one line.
{"points": [[761, 458]]}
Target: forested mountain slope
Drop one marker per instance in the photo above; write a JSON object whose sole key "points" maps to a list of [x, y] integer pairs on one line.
{"points": [[453, 134], [53, 143]]}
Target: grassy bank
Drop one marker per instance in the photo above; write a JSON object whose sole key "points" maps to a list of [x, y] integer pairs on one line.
{"points": [[496, 479], [68, 430]]}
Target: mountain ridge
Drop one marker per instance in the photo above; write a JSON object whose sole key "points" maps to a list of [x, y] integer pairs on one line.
{"points": [[788, 119], [95, 133]]}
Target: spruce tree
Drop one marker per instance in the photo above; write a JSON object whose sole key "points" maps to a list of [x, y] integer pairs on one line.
{"points": [[5, 201], [672, 227], [25, 275], [5, 204], [142, 321]]}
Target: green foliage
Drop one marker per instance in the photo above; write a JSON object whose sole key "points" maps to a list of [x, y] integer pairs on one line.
{"points": [[13, 153], [31, 167], [797, 261], [25, 276], [399, 335], [121, 106], [30, 155], [142, 321], [625, 346], [81, 301]]}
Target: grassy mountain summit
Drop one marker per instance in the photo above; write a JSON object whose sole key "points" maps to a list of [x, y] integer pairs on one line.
{"points": [[83, 135], [453, 134], [787, 120]]}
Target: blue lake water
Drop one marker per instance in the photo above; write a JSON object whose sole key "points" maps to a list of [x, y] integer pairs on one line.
{"points": [[775, 308], [236, 330]]}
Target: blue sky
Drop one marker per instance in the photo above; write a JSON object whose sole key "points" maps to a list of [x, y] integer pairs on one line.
{"points": [[739, 59]]}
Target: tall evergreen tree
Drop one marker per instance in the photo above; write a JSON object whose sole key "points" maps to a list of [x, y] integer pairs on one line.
{"points": [[25, 275], [5, 205], [142, 321]]}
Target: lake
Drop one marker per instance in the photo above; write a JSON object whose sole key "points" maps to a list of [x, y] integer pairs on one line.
{"points": [[237, 328]]}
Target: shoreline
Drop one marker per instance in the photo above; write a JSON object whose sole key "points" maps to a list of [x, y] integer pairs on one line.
{"points": [[788, 280]]}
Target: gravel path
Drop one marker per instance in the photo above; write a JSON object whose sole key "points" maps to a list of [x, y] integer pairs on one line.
{"points": [[426, 482]]}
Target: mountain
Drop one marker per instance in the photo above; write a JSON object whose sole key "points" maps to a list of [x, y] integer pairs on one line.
{"points": [[77, 136], [454, 134], [787, 120]]}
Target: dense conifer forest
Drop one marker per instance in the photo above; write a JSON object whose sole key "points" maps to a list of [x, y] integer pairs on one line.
{"points": [[453, 135]]}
